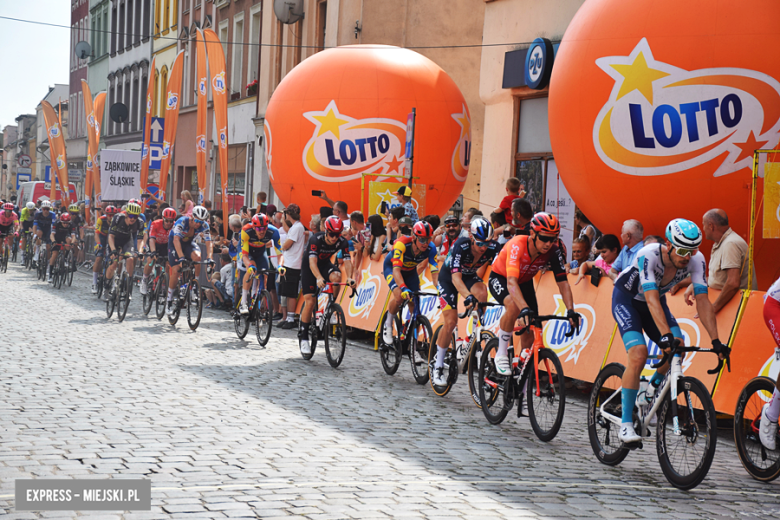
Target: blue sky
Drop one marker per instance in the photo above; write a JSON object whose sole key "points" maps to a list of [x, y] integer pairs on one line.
{"points": [[34, 57]]}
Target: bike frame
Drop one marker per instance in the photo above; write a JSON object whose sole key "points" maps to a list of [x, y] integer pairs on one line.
{"points": [[476, 332]]}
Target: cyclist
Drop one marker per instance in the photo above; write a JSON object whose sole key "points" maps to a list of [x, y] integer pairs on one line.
{"points": [[462, 274], [156, 238], [26, 219], [181, 245], [319, 267], [42, 222], [102, 225], [639, 304], [77, 223], [402, 268], [122, 237], [257, 238], [511, 281], [62, 233], [9, 222], [768, 425]]}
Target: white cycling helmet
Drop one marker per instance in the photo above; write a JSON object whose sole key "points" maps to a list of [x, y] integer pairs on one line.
{"points": [[200, 213], [30, 205], [683, 233], [46, 204]]}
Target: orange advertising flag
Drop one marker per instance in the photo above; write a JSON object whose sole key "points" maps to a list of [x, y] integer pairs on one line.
{"points": [[145, 155], [171, 119], [91, 147], [56, 147], [219, 88], [97, 107], [203, 100]]}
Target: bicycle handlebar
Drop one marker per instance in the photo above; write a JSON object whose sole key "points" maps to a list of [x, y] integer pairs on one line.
{"points": [[352, 287], [537, 322], [481, 305], [679, 348]]}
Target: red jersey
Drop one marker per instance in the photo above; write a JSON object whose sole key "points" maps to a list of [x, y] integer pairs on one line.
{"points": [[515, 261], [158, 232]]}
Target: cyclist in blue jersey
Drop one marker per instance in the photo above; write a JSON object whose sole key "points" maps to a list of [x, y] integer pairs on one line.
{"points": [[181, 246], [639, 304], [42, 223]]}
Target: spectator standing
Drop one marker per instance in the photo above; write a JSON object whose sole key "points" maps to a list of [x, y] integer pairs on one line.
{"points": [[513, 192], [522, 213], [378, 237], [405, 225], [292, 256], [187, 204], [261, 205], [404, 197], [586, 228], [359, 238], [444, 239], [393, 231], [632, 236], [340, 208]]}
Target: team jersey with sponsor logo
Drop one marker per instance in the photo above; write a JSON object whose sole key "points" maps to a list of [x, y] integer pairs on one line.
{"points": [[647, 271], [250, 238], [158, 232], [102, 224], [323, 251], [43, 221], [402, 255], [461, 259], [184, 228], [61, 231], [514, 261], [774, 291], [122, 229], [27, 215], [7, 220]]}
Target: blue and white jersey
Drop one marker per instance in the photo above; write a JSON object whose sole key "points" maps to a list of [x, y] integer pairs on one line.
{"points": [[647, 271], [184, 228]]}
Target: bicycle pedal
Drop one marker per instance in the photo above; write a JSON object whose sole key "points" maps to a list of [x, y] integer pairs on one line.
{"points": [[633, 445]]}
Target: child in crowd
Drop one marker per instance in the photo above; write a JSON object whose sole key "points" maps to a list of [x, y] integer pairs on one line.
{"points": [[513, 191], [580, 253]]}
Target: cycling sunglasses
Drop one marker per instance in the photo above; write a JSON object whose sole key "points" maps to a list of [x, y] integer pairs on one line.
{"points": [[480, 244], [333, 235], [453, 225], [683, 251], [200, 222], [131, 217], [423, 240], [546, 238]]}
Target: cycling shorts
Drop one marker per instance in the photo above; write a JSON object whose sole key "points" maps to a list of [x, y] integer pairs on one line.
{"points": [[27, 225], [633, 316], [259, 257], [500, 291], [123, 245], [772, 318], [309, 281], [186, 247], [6, 230], [448, 293], [411, 278]]}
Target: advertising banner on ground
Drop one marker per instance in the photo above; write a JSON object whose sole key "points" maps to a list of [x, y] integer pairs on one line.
{"points": [[120, 172]]}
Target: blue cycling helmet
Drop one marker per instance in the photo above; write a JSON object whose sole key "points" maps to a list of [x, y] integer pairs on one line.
{"points": [[683, 233], [481, 229]]}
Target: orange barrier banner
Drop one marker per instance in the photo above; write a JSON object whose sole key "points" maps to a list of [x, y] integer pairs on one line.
{"points": [[203, 100], [365, 309], [97, 107], [171, 121], [145, 155], [753, 354]]}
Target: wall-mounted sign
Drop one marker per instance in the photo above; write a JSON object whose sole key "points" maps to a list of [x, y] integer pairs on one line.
{"points": [[539, 63]]}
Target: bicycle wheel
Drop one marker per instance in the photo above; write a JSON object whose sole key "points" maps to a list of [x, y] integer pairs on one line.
{"points": [[475, 357], [263, 317], [313, 334], [420, 343], [441, 391], [123, 297], [603, 433], [70, 264], [495, 391], [761, 463], [161, 295], [335, 335], [4, 259], [194, 304], [150, 296], [110, 302], [686, 457], [546, 409], [176, 302], [390, 355], [60, 267]]}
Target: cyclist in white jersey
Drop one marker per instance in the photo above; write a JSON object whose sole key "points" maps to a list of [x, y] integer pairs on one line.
{"points": [[639, 305], [769, 414]]}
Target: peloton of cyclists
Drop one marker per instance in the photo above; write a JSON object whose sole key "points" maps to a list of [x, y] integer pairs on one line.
{"points": [[62, 233], [181, 246]]}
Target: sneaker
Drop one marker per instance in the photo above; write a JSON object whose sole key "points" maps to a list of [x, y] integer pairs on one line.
{"points": [[278, 316], [439, 377], [767, 430], [143, 287], [503, 366], [305, 347], [94, 289], [244, 309], [287, 325], [627, 434]]}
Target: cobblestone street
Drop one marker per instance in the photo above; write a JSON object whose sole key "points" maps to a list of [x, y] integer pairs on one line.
{"points": [[225, 428]]}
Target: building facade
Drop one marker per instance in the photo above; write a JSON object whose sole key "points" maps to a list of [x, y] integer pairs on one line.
{"points": [[100, 36], [77, 131], [9, 180]]}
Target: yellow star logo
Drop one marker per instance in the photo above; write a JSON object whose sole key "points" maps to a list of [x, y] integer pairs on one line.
{"points": [[330, 122], [638, 76], [464, 122]]}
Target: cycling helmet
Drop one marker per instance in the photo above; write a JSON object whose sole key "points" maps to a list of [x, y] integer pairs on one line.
{"points": [[451, 219], [111, 211], [200, 213], [683, 233], [30, 205], [333, 224], [260, 220], [546, 224], [73, 208], [65, 217], [8, 206], [133, 208], [134, 201], [481, 229], [46, 204], [169, 213], [422, 229]]}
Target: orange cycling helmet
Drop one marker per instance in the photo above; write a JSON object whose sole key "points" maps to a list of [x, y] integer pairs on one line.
{"points": [[260, 220], [546, 224], [422, 229], [169, 213]]}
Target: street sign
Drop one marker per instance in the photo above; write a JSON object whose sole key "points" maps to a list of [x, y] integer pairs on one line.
{"points": [[155, 142], [24, 160], [22, 177], [47, 175], [74, 175], [23, 170]]}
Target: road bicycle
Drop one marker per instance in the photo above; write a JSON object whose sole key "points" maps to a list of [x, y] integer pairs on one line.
{"points": [[187, 294], [260, 310], [414, 338], [4, 254], [157, 286], [686, 433], [537, 375], [101, 282], [466, 356], [330, 326], [27, 254], [120, 289], [62, 270], [761, 463], [43, 259], [14, 247]]}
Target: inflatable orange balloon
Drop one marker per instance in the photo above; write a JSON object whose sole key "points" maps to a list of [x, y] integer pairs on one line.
{"points": [[343, 113], [656, 107]]}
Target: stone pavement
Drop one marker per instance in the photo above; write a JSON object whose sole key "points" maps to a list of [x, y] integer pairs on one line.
{"points": [[224, 428]]}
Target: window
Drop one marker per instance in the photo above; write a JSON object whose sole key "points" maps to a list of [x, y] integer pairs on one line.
{"points": [[298, 41], [223, 37], [134, 115], [129, 26], [111, 98], [113, 30], [166, 15], [158, 10], [128, 104], [79, 108], [278, 58], [155, 103], [533, 149], [145, 24], [174, 13], [119, 98], [254, 49], [121, 36], [236, 83], [322, 18], [137, 28]]}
